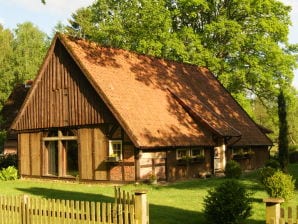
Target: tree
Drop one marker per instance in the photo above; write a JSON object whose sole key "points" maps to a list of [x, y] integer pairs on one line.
{"points": [[228, 203], [6, 57], [22, 52], [244, 43], [283, 144], [29, 47]]}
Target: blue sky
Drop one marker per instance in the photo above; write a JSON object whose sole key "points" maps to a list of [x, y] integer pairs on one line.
{"points": [[47, 16]]}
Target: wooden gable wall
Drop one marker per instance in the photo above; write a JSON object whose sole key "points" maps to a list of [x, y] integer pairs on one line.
{"points": [[62, 96]]}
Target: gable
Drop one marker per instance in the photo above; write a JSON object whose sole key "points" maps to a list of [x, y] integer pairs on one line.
{"points": [[61, 96]]}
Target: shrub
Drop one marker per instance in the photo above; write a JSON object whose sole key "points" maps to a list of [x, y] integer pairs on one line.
{"points": [[10, 173], [265, 172], [233, 169], [229, 203], [280, 185], [8, 160], [273, 163]]}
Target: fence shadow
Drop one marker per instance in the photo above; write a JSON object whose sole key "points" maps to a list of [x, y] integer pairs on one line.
{"points": [[66, 195]]}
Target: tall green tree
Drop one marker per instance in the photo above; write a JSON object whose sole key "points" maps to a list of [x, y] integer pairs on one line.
{"points": [[22, 51], [29, 47], [6, 63], [283, 143], [243, 42]]}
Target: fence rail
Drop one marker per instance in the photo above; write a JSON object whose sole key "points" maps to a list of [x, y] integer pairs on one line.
{"points": [[26, 210]]}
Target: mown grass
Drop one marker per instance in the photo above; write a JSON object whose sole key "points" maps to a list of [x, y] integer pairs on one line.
{"points": [[180, 202]]}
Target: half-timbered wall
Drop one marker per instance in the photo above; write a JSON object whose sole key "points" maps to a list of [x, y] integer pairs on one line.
{"points": [[93, 153], [62, 96]]}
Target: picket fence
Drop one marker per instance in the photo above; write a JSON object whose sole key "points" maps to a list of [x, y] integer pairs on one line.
{"points": [[30, 210], [287, 216]]}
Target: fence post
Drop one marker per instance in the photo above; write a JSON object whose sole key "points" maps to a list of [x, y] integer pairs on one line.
{"points": [[273, 209], [141, 207]]}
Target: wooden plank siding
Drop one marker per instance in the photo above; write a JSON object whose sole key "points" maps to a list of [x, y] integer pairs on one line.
{"points": [[85, 153], [62, 96], [30, 154]]}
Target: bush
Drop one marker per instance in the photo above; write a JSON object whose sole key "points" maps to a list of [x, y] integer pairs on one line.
{"points": [[265, 172], [10, 173], [229, 203], [280, 185], [273, 163], [8, 160], [233, 169]]}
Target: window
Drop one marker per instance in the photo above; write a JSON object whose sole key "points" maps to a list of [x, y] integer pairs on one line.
{"points": [[197, 153], [61, 153], [240, 151], [115, 149], [182, 153]]}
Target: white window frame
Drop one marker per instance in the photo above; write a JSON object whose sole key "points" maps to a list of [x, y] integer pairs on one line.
{"points": [[181, 149], [111, 149], [202, 152], [240, 151]]}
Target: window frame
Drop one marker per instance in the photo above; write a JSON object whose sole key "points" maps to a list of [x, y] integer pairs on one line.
{"points": [[201, 154], [186, 150], [111, 149]]}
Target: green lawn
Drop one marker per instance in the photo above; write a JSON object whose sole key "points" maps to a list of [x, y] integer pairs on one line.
{"points": [[180, 202]]}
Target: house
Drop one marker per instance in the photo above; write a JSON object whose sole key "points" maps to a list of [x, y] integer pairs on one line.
{"points": [[8, 114], [104, 114]]}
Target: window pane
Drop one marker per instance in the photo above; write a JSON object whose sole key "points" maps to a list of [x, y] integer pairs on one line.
{"points": [[71, 148], [115, 148], [52, 158], [197, 152], [181, 153]]}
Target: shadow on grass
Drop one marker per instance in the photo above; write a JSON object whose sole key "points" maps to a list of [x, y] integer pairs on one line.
{"points": [[158, 213], [170, 215], [66, 195]]}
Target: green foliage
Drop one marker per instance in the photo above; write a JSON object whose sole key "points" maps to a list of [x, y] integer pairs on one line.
{"points": [[2, 140], [8, 160], [229, 203], [6, 64], [30, 45], [22, 52], [273, 163], [233, 169], [280, 185], [9, 173], [283, 143], [265, 172], [244, 43]]}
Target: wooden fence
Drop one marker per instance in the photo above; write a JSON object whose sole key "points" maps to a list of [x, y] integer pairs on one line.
{"points": [[277, 215], [287, 216], [26, 210]]}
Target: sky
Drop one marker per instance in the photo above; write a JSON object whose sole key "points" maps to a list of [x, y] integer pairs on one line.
{"points": [[13, 12]]}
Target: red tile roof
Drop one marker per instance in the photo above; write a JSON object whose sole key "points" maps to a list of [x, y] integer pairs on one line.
{"points": [[163, 103]]}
